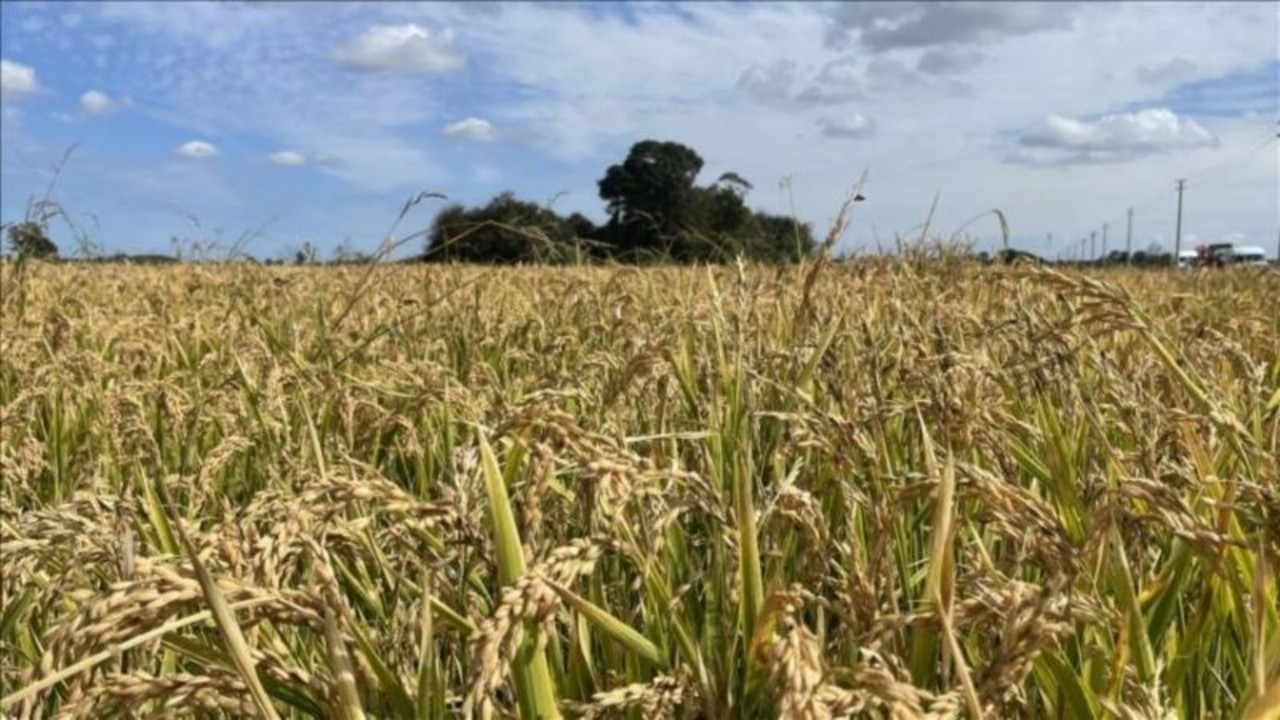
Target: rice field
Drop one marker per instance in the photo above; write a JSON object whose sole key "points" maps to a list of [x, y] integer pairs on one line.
{"points": [[878, 490]]}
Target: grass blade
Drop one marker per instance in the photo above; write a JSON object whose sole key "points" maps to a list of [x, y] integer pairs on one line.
{"points": [[628, 636], [530, 673]]}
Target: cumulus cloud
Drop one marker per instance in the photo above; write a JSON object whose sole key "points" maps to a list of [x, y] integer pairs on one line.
{"points": [[769, 82], [96, 102], [287, 158], [17, 79], [840, 80], [1111, 138], [856, 126], [471, 128], [849, 78], [401, 47], [886, 26], [197, 149], [949, 61]]}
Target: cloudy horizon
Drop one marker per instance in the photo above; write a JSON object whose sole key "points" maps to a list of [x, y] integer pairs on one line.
{"points": [[314, 122]]}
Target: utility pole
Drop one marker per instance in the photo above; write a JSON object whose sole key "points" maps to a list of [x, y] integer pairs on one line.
{"points": [[1104, 240], [1177, 243], [1128, 240], [1093, 239]]}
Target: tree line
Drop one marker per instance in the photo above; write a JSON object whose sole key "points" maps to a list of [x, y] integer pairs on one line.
{"points": [[656, 212]]}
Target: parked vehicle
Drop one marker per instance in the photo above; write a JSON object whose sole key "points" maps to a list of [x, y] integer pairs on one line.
{"points": [[1222, 255], [1248, 255]]}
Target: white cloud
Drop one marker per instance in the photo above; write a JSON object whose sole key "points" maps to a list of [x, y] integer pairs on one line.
{"points": [[887, 26], [1112, 138], [287, 158], [769, 82], [471, 128], [852, 126], [401, 47], [840, 80], [197, 149], [17, 79], [849, 78], [96, 102]]}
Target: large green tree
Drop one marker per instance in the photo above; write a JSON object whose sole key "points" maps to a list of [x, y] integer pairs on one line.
{"points": [[657, 211], [718, 227], [650, 197]]}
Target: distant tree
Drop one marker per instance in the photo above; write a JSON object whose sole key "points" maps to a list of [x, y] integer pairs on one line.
{"points": [[719, 226], [346, 253], [650, 197], [140, 259], [734, 180], [1011, 255], [579, 226], [656, 212], [781, 239], [732, 229], [28, 240], [507, 230], [306, 255]]}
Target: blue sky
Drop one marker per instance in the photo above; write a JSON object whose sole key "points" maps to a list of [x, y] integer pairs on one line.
{"points": [[314, 122]]}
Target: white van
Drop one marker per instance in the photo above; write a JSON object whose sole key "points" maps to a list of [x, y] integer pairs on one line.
{"points": [[1187, 259], [1248, 255]]}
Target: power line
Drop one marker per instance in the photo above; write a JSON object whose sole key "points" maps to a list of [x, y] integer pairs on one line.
{"points": [[1234, 160]]}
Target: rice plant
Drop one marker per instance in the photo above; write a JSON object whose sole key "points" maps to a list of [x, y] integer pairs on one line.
{"points": [[885, 489]]}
